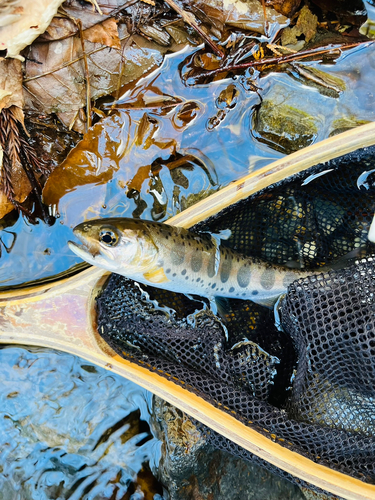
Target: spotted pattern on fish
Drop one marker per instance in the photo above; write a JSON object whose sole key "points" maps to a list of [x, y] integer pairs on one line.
{"points": [[192, 263], [226, 267], [268, 279], [211, 265], [196, 261], [243, 276], [178, 255]]}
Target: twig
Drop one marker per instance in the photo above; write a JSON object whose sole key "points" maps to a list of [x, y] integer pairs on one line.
{"points": [[283, 59], [121, 72], [165, 106], [266, 26], [122, 7], [95, 4], [189, 19], [62, 12], [314, 78], [88, 89]]}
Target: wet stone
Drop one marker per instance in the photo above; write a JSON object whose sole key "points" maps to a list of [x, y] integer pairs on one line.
{"points": [[286, 123], [192, 469], [283, 127]]}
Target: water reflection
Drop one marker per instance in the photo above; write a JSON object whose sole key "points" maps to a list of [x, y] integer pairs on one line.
{"points": [[69, 429], [166, 145]]}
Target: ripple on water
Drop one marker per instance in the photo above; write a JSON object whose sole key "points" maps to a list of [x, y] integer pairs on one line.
{"points": [[69, 429]]}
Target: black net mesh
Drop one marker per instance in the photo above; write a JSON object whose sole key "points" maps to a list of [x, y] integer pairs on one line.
{"points": [[308, 385], [331, 320]]}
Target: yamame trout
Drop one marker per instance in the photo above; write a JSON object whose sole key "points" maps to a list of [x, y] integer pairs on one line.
{"points": [[176, 259]]}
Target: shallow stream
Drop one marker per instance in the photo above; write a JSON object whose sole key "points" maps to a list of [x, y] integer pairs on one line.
{"points": [[70, 430]]}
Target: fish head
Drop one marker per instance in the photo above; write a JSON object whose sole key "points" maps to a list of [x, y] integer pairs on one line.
{"points": [[123, 246]]}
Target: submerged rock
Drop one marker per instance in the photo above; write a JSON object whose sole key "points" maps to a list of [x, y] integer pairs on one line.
{"points": [[283, 127], [287, 120], [192, 469]]}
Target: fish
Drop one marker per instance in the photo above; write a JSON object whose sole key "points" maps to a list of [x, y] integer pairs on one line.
{"points": [[179, 260]]}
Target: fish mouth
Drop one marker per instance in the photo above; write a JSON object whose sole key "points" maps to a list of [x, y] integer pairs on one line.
{"points": [[81, 250]]}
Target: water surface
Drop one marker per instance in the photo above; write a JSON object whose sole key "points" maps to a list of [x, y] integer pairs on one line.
{"points": [[72, 430]]}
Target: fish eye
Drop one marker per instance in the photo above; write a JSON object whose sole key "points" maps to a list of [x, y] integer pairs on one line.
{"points": [[108, 237]]}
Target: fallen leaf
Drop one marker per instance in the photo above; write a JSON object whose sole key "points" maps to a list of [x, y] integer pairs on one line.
{"points": [[10, 12], [11, 169], [60, 27], [22, 189], [74, 120], [6, 206], [146, 130], [178, 33], [105, 33], [286, 7], [33, 17], [247, 15], [55, 77], [11, 93], [64, 25], [306, 25]]}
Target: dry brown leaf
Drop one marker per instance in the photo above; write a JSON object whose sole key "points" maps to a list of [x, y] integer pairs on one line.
{"points": [[285, 7], [55, 74], [59, 28], [11, 170], [94, 3], [33, 17], [74, 120], [64, 24], [243, 15], [11, 93], [22, 189], [20, 181], [6, 206], [105, 33]]}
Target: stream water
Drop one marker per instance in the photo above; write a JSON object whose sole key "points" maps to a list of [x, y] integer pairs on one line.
{"points": [[71, 430], [167, 145], [68, 429]]}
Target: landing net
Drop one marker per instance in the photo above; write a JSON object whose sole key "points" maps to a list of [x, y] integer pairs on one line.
{"points": [[307, 384]]}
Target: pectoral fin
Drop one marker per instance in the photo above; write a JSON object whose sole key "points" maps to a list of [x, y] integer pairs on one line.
{"points": [[156, 275]]}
